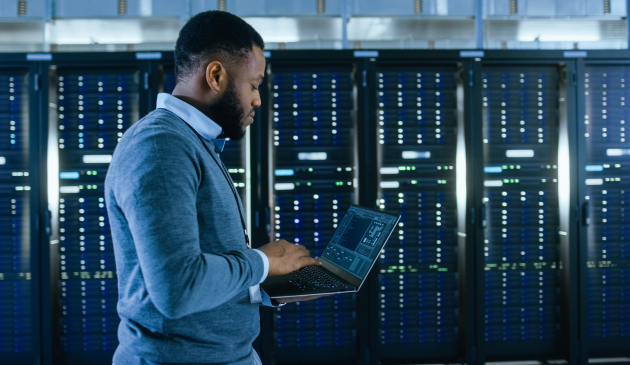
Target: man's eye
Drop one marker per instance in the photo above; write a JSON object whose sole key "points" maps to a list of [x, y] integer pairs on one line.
{"points": [[254, 87]]}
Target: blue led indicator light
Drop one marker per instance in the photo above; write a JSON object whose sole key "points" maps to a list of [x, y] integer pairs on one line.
{"points": [[68, 175], [470, 54], [493, 169], [39, 57], [149, 55], [594, 168], [284, 172], [575, 54], [365, 53]]}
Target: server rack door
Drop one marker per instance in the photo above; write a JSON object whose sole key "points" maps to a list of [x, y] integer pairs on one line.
{"points": [[235, 155], [313, 174], [95, 106], [417, 128], [19, 298], [520, 214], [605, 195]]}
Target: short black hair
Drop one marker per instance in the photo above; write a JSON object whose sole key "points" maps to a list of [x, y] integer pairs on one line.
{"points": [[213, 33]]}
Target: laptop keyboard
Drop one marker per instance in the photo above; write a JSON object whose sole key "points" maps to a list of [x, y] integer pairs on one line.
{"points": [[312, 278]]}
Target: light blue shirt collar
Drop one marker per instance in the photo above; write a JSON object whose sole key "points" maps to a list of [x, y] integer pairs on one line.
{"points": [[191, 115]]}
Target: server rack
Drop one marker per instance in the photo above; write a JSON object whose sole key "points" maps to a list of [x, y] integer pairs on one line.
{"points": [[312, 181], [20, 265], [604, 181], [525, 299], [601, 324], [92, 108], [419, 290]]}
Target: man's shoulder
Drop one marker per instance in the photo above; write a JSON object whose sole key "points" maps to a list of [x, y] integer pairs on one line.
{"points": [[157, 121], [159, 135], [158, 127]]}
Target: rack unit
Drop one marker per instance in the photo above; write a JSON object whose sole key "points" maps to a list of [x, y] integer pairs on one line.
{"points": [[605, 181], [95, 107], [519, 212], [313, 173], [417, 129]]}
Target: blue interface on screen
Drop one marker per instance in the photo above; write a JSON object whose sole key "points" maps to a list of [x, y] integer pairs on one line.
{"points": [[358, 240]]}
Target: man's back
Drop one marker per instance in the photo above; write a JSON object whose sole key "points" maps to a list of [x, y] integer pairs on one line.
{"points": [[173, 218]]}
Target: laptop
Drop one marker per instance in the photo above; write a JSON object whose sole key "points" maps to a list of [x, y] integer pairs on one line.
{"points": [[346, 260]]}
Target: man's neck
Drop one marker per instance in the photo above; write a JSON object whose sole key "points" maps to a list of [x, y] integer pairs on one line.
{"points": [[190, 95]]}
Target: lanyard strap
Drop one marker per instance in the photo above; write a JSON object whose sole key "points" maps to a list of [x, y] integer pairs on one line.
{"points": [[225, 175]]}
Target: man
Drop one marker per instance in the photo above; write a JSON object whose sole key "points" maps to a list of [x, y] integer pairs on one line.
{"points": [[188, 284]]}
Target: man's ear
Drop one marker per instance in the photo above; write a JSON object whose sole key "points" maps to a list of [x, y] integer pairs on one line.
{"points": [[216, 76]]}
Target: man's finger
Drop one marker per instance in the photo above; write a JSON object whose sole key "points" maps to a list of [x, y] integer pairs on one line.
{"points": [[301, 248], [309, 261]]}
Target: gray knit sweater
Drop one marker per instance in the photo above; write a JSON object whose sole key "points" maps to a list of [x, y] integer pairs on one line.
{"points": [[183, 266]]}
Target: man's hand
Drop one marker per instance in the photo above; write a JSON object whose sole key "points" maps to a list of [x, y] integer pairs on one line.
{"points": [[285, 257]]}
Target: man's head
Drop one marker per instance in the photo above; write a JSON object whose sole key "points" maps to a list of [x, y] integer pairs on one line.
{"points": [[219, 65]]}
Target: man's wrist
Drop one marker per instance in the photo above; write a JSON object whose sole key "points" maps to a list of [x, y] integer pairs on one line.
{"points": [[265, 263]]}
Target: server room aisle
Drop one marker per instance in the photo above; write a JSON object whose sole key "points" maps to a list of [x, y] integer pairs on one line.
{"points": [[510, 173]]}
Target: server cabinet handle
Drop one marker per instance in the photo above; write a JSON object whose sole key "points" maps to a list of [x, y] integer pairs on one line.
{"points": [[267, 219], [47, 222], [484, 221], [472, 215], [586, 214], [36, 82], [146, 81]]}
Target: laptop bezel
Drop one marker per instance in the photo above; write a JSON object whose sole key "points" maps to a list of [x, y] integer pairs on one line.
{"points": [[355, 281]]}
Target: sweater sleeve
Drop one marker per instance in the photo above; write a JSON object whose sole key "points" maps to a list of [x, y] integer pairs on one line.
{"points": [[157, 179]]}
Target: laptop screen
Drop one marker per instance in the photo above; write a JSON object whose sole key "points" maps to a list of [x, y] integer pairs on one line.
{"points": [[359, 239]]}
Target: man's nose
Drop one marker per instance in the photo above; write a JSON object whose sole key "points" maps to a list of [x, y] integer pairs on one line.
{"points": [[256, 103]]}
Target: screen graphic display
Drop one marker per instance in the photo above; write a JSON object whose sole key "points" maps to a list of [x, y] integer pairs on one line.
{"points": [[358, 240]]}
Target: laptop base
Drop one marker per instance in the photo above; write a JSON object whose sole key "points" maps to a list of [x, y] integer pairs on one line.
{"points": [[281, 287]]}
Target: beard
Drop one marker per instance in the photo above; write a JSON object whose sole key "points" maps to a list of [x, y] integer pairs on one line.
{"points": [[228, 113]]}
